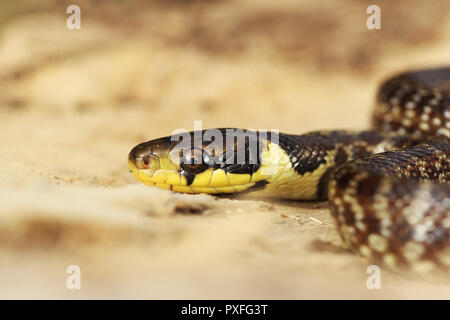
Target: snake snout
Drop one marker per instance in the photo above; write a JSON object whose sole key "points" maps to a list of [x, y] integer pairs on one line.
{"points": [[150, 156], [139, 157]]}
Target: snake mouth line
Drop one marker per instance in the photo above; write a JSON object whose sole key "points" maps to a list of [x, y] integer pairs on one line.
{"points": [[175, 181]]}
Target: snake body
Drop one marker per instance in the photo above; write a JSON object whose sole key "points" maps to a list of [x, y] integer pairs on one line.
{"points": [[388, 188]]}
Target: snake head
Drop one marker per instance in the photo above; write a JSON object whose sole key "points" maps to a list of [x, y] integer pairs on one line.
{"points": [[215, 163]]}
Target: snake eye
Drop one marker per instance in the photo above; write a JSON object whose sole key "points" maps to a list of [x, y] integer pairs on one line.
{"points": [[142, 163], [147, 162], [195, 160]]}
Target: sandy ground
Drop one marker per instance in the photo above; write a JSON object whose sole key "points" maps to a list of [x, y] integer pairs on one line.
{"points": [[74, 102]]}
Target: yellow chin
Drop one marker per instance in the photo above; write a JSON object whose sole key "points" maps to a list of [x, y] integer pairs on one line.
{"points": [[210, 181]]}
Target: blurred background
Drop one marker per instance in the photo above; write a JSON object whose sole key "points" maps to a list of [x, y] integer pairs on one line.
{"points": [[74, 102]]}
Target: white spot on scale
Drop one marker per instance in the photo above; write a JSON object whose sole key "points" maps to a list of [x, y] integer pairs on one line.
{"points": [[410, 105], [447, 114], [377, 242], [437, 121]]}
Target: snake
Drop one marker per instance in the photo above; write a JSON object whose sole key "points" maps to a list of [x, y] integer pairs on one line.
{"points": [[388, 187]]}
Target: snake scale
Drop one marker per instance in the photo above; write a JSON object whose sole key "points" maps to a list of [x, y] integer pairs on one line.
{"points": [[388, 188]]}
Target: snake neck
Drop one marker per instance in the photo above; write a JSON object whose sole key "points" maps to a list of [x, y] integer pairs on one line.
{"points": [[300, 166]]}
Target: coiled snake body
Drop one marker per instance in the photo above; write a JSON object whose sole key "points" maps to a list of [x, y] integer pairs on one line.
{"points": [[388, 188]]}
